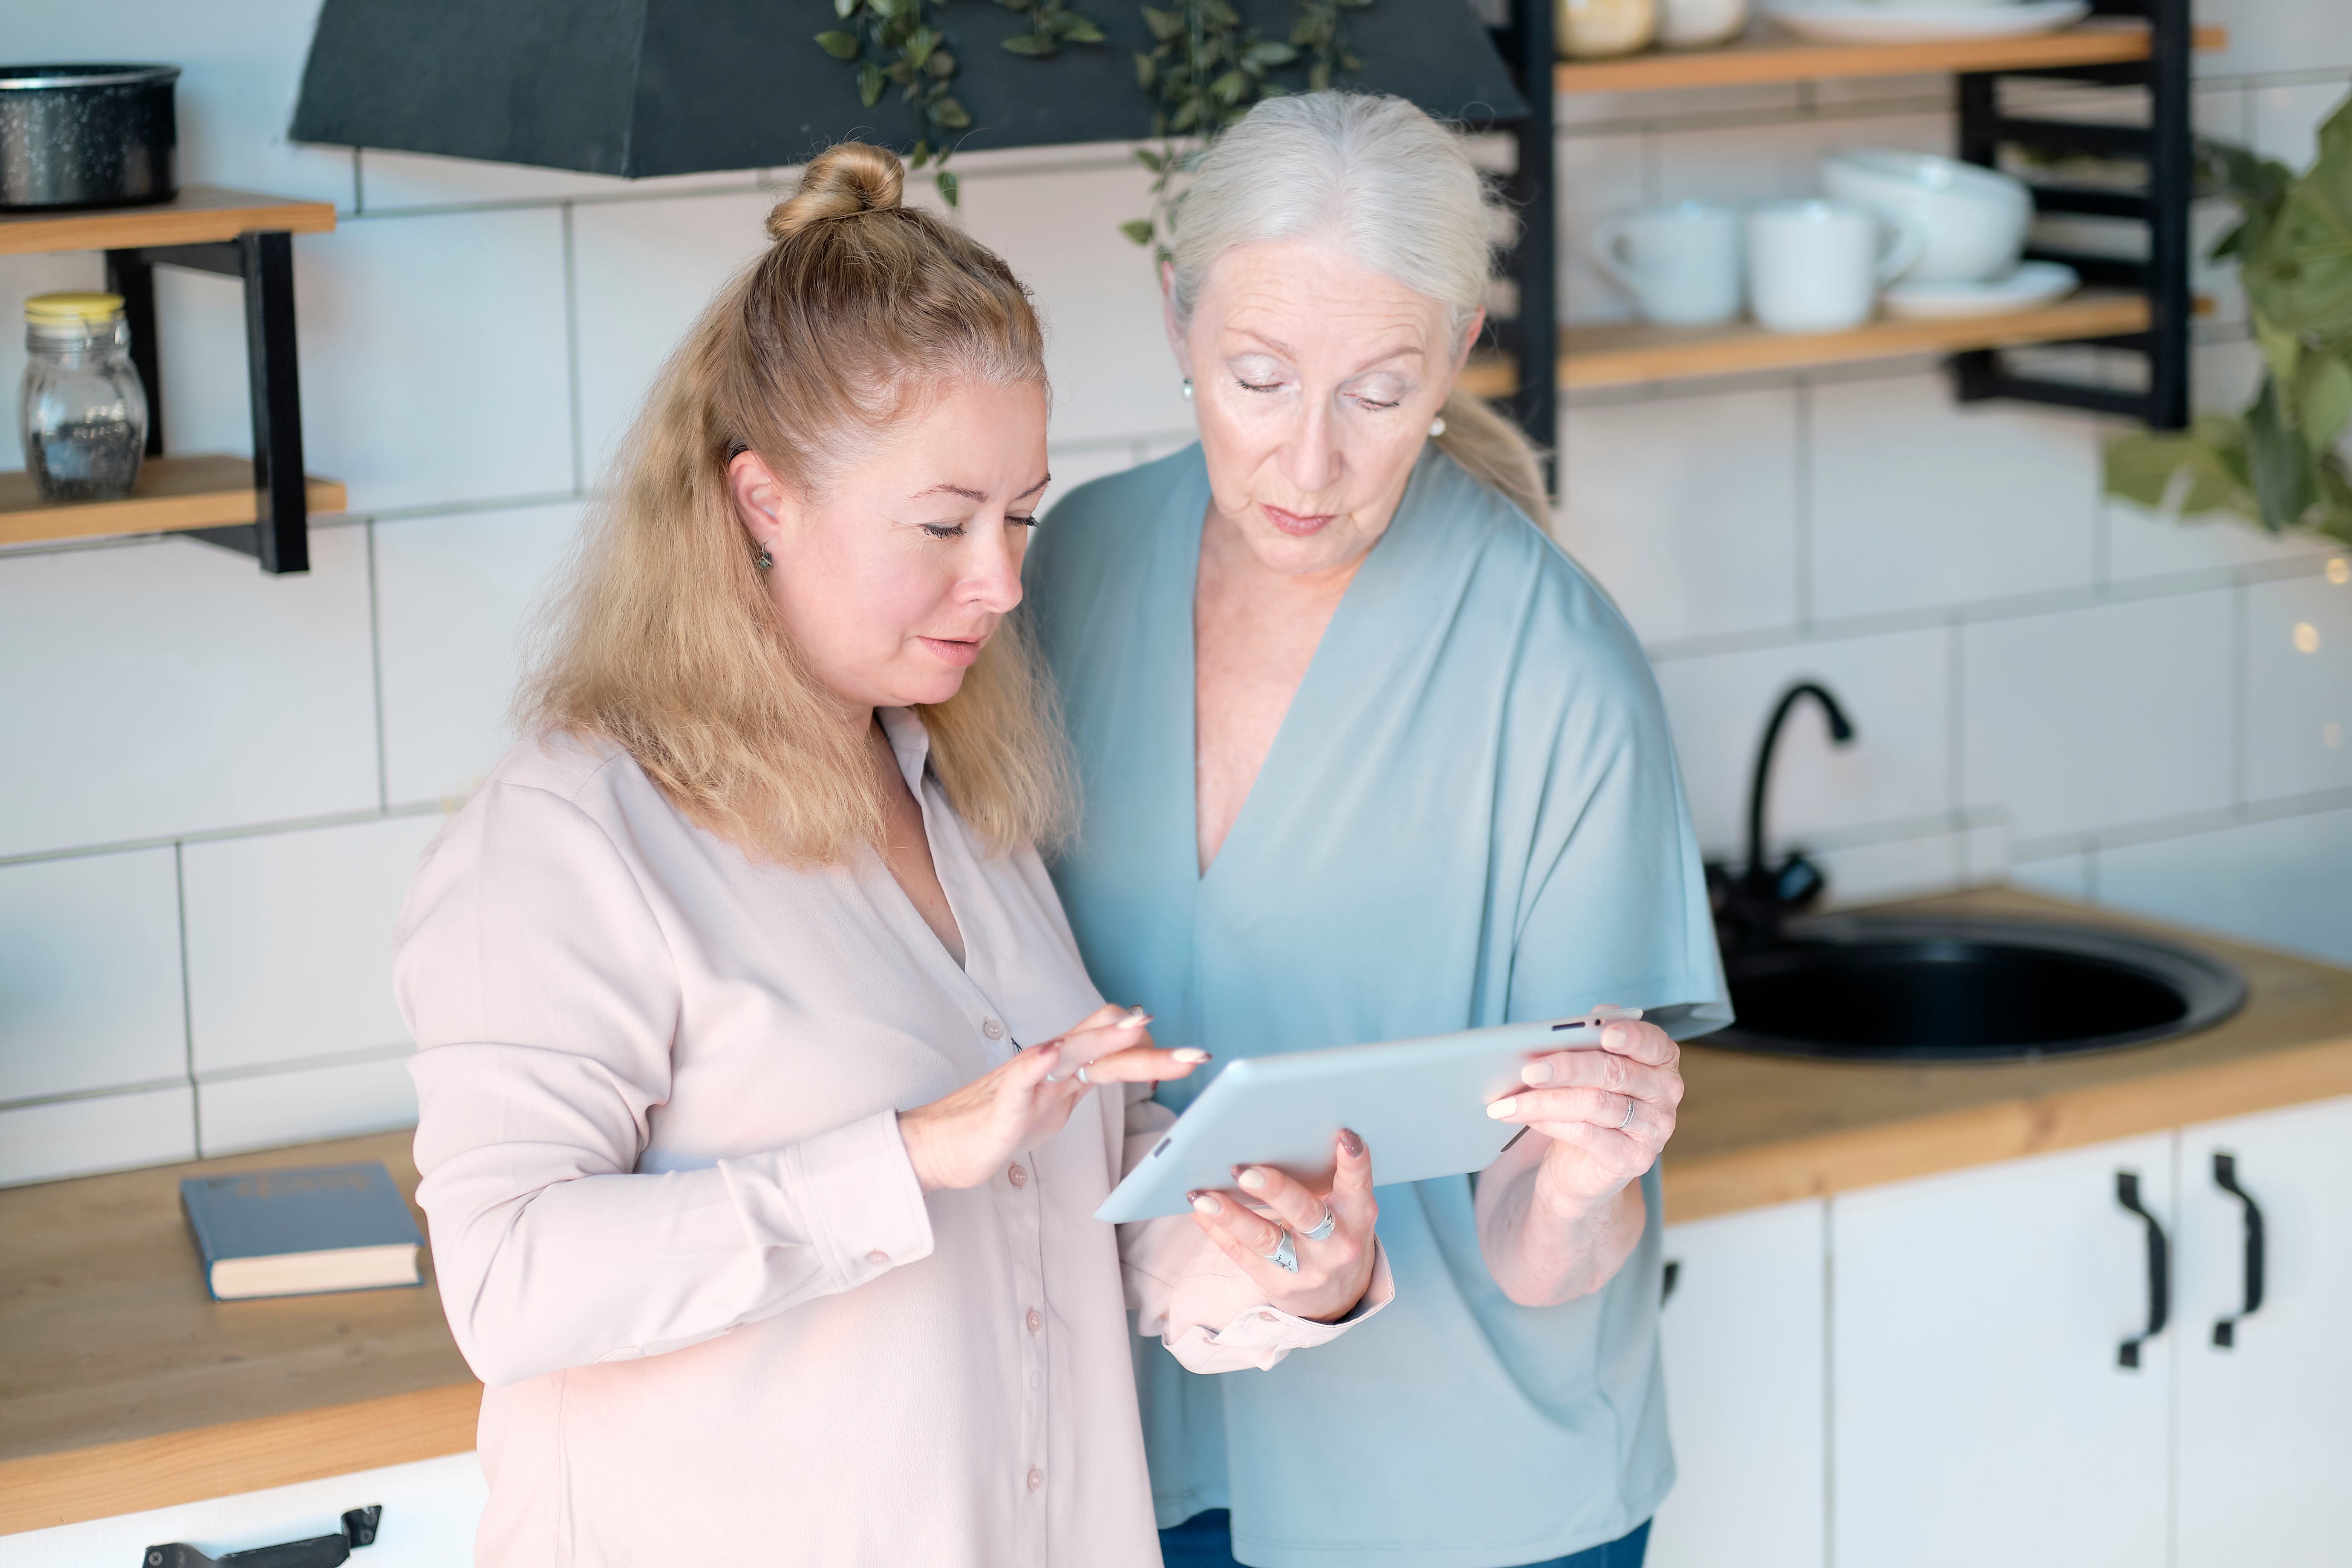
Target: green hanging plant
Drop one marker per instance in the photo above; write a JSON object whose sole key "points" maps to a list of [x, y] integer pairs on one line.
{"points": [[2281, 463], [1052, 24], [893, 41]]}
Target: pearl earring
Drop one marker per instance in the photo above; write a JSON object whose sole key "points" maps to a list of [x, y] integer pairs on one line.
{"points": [[763, 560], [1437, 425], [1188, 389]]}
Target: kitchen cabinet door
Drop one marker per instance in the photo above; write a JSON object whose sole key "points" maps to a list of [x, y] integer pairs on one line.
{"points": [[430, 1510], [1743, 1329], [1979, 1414], [2264, 1441]]}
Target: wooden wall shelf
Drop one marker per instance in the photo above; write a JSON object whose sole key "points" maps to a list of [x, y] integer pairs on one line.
{"points": [[199, 214], [1630, 354], [173, 494], [1770, 56]]}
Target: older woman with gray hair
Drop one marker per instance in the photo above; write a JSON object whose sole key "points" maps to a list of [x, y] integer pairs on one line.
{"points": [[1363, 755]]}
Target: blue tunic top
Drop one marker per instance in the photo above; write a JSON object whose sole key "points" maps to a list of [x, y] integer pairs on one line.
{"points": [[1470, 816]]}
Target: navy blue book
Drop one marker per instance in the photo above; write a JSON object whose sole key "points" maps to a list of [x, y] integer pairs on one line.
{"points": [[295, 1233]]}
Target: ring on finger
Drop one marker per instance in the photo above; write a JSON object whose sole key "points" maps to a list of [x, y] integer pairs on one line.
{"points": [[1089, 1082], [1322, 1231], [1621, 1126], [1284, 1255]]}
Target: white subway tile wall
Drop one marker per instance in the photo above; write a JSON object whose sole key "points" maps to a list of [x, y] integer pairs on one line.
{"points": [[216, 782]]}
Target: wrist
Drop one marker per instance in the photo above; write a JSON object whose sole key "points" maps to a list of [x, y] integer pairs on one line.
{"points": [[1561, 1203], [915, 1135]]}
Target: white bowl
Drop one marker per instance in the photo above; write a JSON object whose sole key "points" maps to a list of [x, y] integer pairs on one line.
{"points": [[1864, 22], [1974, 219]]}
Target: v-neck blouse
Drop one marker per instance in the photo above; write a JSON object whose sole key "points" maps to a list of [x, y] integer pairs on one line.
{"points": [[1471, 815], [676, 1230]]}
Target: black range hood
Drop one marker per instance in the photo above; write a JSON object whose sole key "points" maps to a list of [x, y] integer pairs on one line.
{"points": [[639, 87]]}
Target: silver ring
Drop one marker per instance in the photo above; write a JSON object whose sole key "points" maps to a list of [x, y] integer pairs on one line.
{"points": [[1089, 1082], [1284, 1255], [1322, 1232], [1621, 1126]]}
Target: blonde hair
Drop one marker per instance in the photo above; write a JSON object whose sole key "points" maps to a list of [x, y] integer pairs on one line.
{"points": [[1392, 188], [665, 640]]}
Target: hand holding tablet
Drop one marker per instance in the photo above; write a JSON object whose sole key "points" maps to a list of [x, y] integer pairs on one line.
{"points": [[1422, 1104]]}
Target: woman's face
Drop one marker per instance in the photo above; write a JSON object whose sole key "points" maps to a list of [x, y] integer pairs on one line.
{"points": [[1315, 381], [891, 578]]}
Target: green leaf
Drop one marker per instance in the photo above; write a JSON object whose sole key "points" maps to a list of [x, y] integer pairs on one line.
{"points": [[1270, 53], [1318, 76], [1230, 87], [869, 84], [942, 64], [1145, 71], [947, 111], [948, 189], [1164, 24], [1187, 115], [1028, 44], [2322, 397], [1082, 30], [920, 156], [1150, 159], [2278, 464], [920, 45], [845, 10], [1138, 229], [840, 45]]}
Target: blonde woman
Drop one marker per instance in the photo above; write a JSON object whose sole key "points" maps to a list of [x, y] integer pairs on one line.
{"points": [[768, 1235]]}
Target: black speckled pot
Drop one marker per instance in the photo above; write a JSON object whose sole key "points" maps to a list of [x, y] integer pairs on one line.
{"points": [[87, 136]]}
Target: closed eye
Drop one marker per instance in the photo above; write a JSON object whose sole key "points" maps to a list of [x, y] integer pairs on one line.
{"points": [[944, 530]]}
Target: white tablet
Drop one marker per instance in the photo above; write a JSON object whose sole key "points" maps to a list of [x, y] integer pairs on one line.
{"points": [[1419, 1105]]}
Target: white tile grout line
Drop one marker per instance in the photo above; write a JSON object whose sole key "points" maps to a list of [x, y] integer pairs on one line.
{"points": [[187, 1005], [243, 830], [375, 677], [195, 1081], [572, 351]]}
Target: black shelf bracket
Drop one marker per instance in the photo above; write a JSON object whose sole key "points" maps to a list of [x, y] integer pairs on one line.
{"points": [[1531, 337], [264, 261], [2164, 146]]}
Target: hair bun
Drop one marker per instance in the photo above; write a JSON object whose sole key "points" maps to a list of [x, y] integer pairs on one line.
{"points": [[843, 180]]}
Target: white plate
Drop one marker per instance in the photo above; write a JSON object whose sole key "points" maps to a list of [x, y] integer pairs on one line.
{"points": [[1859, 21], [2033, 283]]}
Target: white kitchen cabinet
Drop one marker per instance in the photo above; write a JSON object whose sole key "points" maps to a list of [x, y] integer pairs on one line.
{"points": [[1743, 1340], [2264, 1435], [1979, 1414], [430, 1511]]}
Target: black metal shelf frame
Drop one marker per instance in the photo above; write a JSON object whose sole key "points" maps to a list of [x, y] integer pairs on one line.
{"points": [[264, 261], [2164, 147], [1531, 335]]}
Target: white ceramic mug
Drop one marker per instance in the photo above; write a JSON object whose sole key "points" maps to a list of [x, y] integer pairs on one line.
{"points": [[1681, 263], [1816, 267], [1972, 220]]}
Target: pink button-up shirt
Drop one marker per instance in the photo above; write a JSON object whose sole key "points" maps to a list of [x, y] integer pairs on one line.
{"points": [[676, 1232]]}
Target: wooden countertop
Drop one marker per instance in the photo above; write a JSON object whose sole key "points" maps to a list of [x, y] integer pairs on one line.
{"points": [[123, 1387], [1758, 1130]]}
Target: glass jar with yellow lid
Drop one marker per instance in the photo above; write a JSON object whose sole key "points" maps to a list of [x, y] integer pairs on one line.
{"points": [[84, 412]]}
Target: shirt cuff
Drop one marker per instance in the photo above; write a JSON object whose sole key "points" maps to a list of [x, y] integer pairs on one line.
{"points": [[850, 1194], [1261, 1336]]}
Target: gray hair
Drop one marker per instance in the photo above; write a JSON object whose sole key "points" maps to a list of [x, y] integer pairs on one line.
{"points": [[1392, 188]]}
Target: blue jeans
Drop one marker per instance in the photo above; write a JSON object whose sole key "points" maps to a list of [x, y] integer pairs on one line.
{"points": [[1206, 1541]]}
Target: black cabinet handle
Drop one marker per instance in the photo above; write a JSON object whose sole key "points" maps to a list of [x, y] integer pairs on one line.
{"points": [[2159, 1271], [2225, 1176], [1666, 1287], [319, 1551]]}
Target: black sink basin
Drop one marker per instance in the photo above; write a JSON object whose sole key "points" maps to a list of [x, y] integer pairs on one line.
{"points": [[1889, 988]]}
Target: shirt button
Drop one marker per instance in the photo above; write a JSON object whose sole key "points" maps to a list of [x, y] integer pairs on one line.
{"points": [[991, 1028], [1037, 1479], [877, 1255], [1036, 1320], [1017, 1176]]}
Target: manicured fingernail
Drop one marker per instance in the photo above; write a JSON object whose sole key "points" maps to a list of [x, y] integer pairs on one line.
{"points": [[1503, 1107], [1536, 1072], [1613, 1037], [1253, 1180], [1190, 1054], [1135, 1020], [1203, 1204], [1350, 1141]]}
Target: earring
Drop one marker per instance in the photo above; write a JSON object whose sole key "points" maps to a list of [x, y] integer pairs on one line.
{"points": [[1437, 425], [763, 560], [1188, 389]]}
